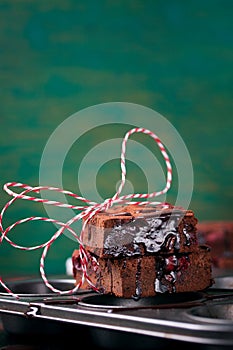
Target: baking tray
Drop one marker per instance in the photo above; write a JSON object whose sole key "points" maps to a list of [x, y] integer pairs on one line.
{"points": [[203, 318]]}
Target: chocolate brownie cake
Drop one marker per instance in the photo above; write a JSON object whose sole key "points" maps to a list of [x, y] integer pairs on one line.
{"points": [[144, 250]]}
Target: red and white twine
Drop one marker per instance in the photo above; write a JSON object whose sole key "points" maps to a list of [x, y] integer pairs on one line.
{"points": [[88, 210]]}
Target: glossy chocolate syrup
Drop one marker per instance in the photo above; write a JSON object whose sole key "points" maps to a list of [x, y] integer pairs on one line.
{"points": [[138, 289], [154, 233], [167, 269]]}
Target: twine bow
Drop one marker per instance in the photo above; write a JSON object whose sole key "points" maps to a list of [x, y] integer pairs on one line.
{"points": [[88, 210]]}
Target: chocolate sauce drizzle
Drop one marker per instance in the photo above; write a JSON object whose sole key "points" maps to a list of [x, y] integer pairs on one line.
{"points": [[154, 233], [138, 289], [167, 269]]}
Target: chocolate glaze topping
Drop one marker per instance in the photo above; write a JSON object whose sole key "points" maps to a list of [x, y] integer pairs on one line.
{"points": [[153, 233]]}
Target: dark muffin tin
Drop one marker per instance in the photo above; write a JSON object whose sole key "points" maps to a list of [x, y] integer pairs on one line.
{"points": [[203, 318]]}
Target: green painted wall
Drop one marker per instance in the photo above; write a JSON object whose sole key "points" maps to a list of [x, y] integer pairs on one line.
{"points": [[59, 57]]}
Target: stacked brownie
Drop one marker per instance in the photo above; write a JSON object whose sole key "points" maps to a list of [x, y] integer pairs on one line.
{"points": [[143, 250]]}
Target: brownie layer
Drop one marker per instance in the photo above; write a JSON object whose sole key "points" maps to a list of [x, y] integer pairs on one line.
{"points": [[136, 230], [149, 275]]}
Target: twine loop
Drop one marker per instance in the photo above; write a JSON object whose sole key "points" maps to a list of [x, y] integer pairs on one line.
{"points": [[87, 211]]}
